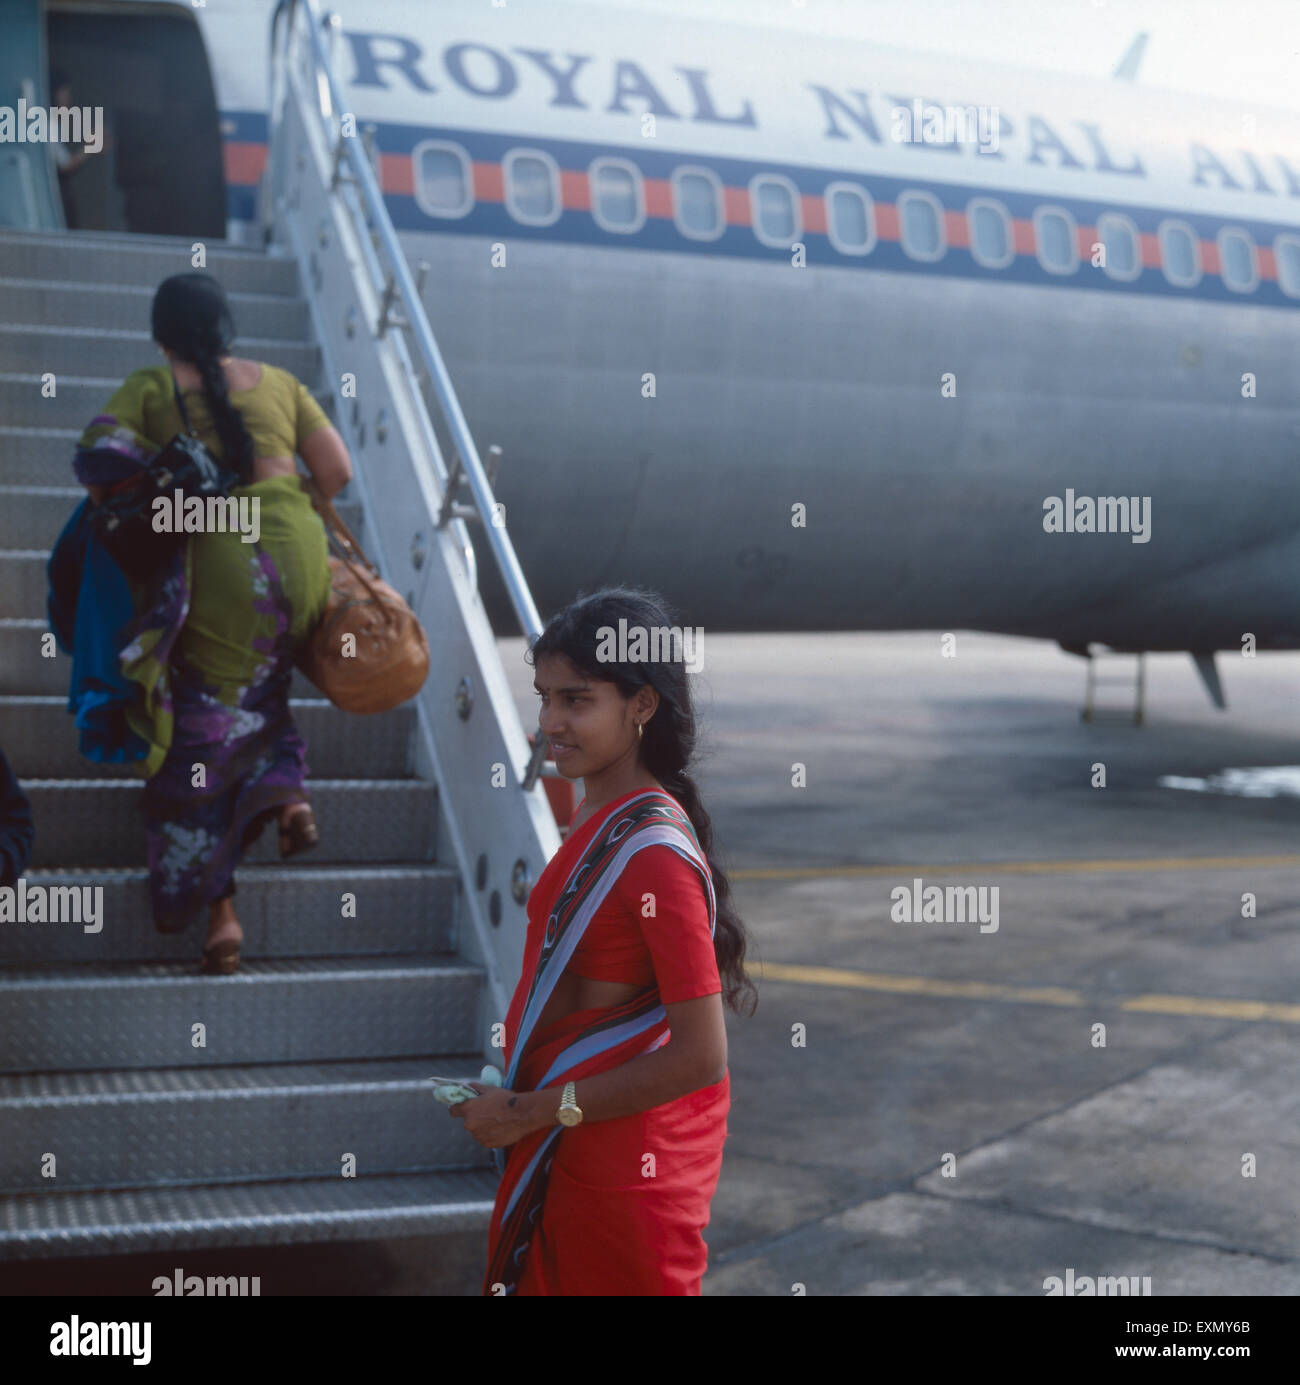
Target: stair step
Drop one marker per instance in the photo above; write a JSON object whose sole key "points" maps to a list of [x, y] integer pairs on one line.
{"points": [[75, 401], [40, 739], [105, 1017], [22, 582], [95, 822], [100, 351], [175, 1126], [109, 258], [24, 669], [38, 456], [125, 307], [286, 910], [57, 1224]]}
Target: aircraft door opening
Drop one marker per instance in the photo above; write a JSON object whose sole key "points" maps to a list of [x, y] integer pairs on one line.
{"points": [[160, 170]]}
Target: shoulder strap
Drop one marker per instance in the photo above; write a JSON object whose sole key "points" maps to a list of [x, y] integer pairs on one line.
{"points": [[341, 537], [333, 521]]}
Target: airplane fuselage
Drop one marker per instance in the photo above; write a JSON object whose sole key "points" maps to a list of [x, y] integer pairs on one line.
{"points": [[823, 402]]}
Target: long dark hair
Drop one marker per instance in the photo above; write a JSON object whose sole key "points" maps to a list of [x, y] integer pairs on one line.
{"points": [[192, 319], [667, 745]]}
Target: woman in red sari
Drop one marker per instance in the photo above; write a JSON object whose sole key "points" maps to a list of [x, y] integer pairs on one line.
{"points": [[610, 1125]]}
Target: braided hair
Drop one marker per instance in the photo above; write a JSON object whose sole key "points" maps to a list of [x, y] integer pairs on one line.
{"points": [[667, 746], [192, 319]]}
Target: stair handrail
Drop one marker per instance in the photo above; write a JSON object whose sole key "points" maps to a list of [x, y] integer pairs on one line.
{"points": [[392, 277]]}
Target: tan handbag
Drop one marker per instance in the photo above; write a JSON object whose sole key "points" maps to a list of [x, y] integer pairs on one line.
{"points": [[368, 653]]}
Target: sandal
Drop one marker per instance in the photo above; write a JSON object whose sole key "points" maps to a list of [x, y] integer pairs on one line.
{"points": [[300, 835], [221, 959]]}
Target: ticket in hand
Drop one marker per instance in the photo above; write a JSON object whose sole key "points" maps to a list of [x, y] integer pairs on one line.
{"points": [[450, 1090]]}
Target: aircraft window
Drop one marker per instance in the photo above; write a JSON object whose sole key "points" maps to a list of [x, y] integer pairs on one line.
{"points": [[850, 219], [532, 187], [443, 179], [1287, 250], [921, 219], [990, 233], [1237, 261], [617, 198], [1119, 236], [774, 209], [1058, 245], [697, 203], [1180, 254]]}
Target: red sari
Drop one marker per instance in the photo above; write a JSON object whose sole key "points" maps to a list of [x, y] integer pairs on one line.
{"points": [[599, 1224]]}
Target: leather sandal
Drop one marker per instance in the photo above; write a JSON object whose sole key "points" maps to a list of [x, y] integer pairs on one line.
{"points": [[221, 959], [300, 835]]}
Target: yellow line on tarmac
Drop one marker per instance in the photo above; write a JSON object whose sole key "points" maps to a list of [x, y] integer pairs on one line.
{"points": [[1218, 1009], [918, 985], [1200, 1006], [1101, 867]]}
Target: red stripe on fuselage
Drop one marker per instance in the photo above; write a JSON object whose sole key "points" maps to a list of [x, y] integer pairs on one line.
{"points": [[245, 160]]}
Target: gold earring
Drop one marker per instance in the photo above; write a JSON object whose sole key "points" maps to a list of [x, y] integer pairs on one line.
{"points": [[640, 730]]}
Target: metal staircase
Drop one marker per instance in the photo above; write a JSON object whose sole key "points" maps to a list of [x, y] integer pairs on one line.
{"points": [[315, 1054]]}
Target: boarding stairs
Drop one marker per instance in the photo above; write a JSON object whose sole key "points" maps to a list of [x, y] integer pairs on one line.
{"points": [[433, 815]]}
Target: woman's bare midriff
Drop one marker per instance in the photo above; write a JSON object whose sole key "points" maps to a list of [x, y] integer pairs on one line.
{"points": [[573, 992], [266, 467]]}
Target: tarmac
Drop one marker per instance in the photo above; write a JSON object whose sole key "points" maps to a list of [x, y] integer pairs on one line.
{"points": [[930, 1107]]}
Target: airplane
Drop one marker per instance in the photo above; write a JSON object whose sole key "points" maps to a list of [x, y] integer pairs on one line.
{"points": [[805, 333]]}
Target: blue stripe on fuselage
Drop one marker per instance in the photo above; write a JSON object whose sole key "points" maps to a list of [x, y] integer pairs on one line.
{"points": [[576, 227]]}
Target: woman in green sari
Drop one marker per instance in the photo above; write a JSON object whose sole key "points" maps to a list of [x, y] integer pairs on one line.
{"points": [[217, 631]]}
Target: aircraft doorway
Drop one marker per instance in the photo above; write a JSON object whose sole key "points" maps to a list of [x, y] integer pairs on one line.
{"points": [[160, 172]]}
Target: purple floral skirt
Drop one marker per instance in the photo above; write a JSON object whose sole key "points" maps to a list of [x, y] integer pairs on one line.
{"points": [[229, 771]]}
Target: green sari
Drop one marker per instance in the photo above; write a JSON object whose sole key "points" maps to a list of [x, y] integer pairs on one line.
{"points": [[230, 627]]}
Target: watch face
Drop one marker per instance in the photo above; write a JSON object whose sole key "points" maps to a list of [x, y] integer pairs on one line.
{"points": [[569, 1116]]}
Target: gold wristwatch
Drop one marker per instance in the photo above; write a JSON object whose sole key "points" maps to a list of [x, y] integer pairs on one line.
{"points": [[570, 1113]]}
